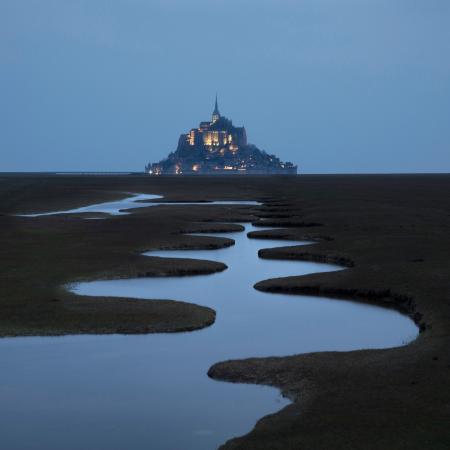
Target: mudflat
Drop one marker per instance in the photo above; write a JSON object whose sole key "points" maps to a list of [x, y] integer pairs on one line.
{"points": [[391, 231]]}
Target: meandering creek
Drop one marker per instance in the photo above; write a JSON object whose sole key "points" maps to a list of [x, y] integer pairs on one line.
{"points": [[152, 391]]}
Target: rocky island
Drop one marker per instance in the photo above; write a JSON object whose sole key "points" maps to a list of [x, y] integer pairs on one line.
{"points": [[218, 147]]}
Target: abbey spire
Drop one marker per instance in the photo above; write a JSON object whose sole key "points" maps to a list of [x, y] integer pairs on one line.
{"points": [[216, 146], [216, 113]]}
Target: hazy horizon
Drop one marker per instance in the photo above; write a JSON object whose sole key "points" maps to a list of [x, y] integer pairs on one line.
{"points": [[355, 86]]}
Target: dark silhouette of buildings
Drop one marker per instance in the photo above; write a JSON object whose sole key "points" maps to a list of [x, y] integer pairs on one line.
{"points": [[218, 147]]}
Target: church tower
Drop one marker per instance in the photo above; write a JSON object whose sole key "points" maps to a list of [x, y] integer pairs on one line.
{"points": [[216, 113]]}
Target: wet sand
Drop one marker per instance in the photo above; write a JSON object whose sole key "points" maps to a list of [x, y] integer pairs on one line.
{"points": [[391, 231]]}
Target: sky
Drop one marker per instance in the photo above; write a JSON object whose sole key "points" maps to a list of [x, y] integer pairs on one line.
{"points": [[335, 86]]}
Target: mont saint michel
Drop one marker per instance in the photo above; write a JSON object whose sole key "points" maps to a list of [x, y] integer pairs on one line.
{"points": [[219, 147]]}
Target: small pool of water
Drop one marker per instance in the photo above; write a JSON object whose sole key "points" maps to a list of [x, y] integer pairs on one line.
{"points": [[152, 391], [115, 208]]}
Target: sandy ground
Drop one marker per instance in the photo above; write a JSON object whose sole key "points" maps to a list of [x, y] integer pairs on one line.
{"points": [[392, 232]]}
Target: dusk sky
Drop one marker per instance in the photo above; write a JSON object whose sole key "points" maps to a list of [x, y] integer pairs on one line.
{"points": [[340, 86]]}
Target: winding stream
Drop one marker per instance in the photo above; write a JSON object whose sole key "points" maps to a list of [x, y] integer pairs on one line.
{"points": [[152, 391], [123, 207]]}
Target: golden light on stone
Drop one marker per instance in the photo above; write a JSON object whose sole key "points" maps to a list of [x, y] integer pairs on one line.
{"points": [[191, 137], [217, 145]]}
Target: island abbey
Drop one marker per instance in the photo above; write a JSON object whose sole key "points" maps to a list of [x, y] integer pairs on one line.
{"points": [[218, 147]]}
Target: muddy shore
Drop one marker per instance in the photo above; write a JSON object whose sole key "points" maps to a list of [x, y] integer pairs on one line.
{"points": [[392, 233]]}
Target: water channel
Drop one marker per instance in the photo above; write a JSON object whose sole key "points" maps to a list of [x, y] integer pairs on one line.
{"points": [[152, 391]]}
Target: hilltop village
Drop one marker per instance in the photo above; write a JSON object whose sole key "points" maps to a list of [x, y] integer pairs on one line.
{"points": [[218, 147]]}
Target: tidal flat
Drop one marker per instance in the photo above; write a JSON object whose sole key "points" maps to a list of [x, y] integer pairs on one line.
{"points": [[390, 231]]}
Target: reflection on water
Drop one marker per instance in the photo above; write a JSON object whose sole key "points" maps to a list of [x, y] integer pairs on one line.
{"points": [[120, 207], [152, 391], [115, 208]]}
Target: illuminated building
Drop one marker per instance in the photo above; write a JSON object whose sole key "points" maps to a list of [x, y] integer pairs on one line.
{"points": [[217, 147]]}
